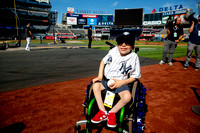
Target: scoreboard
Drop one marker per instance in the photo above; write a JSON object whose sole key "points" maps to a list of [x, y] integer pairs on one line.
{"points": [[153, 17], [88, 19]]}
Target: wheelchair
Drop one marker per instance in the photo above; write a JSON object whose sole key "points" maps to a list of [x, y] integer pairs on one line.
{"points": [[130, 119]]}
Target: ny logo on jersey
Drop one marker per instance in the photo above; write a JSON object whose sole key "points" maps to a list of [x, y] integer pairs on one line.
{"points": [[125, 69]]}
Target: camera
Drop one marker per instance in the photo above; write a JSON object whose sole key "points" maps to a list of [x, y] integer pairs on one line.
{"points": [[170, 22], [190, 17]]}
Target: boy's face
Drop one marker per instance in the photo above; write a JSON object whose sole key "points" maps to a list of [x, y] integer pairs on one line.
{"points": [[124, 48]]}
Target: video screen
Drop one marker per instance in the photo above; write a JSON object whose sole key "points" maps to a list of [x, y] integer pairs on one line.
{"points": [[132, 17]]}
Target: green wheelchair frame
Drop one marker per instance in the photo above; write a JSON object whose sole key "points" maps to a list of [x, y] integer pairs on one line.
{"points": [[127, 118]]}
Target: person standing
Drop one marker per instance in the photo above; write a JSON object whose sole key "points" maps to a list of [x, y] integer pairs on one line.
{"points": [[29, 35], [90, 36], [194, 43], [174, 35]]}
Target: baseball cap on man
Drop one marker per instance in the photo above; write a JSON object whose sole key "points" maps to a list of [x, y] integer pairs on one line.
{"points": [[127, 38]]}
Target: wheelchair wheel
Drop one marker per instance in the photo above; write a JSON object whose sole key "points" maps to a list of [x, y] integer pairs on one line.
{"points": [[136, 122], [132, 123]]}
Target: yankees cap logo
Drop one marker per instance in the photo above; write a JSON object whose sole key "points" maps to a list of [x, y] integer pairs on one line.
{"points": [[126, 33]]}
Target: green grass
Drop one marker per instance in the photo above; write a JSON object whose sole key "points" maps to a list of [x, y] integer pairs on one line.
{"points": [[146, 50], [154, 51]]}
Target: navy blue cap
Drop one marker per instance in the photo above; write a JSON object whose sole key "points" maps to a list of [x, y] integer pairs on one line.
{"points": [[127, 38]]}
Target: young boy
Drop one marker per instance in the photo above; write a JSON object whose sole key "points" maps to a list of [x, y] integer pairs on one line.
{"points": [[121, 65]]}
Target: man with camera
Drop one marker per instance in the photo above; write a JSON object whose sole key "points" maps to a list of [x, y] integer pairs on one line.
{"points": [[174, 35], [194, 43]]}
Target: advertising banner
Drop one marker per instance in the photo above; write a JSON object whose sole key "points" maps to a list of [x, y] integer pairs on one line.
{"points": [[174, 12], [181, 16], [89, 16], [82, 21], [165, 18], [105, 23], [152, 22], [72, 20], [73, 15], [91, 21], [104, 18]]}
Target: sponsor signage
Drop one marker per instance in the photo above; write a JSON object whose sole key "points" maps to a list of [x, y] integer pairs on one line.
{"points": [[91, 12], [174, 12], [82, 21], [148, 35], [91, 21], [45, 21], [165, 18], [175, 7], [105, 18], [105, 23], [89, 16], [181, 16], [70, 10], [152, 22], [72, 20], [73, 15]]}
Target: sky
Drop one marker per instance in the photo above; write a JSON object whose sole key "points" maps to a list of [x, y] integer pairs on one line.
{"points": [[109, 6]]}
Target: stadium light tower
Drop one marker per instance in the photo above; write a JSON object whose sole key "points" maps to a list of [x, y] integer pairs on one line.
{"points": [[54, 36]]}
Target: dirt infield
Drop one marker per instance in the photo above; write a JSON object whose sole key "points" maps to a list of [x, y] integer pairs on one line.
{"points": [[55, 108]]}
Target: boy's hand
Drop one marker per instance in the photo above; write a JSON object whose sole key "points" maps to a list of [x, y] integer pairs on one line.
{"points": [[96, 79], [116, 84]]}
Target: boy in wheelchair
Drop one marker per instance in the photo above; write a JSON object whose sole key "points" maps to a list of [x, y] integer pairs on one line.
{"points": [[117, 69]]}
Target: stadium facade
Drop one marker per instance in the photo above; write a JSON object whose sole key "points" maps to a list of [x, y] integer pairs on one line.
{"points": [[153, 24], [16, 14]]}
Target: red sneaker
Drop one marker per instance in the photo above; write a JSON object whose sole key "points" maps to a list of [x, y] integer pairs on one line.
{"points": [[111, 120], [99, 117]]}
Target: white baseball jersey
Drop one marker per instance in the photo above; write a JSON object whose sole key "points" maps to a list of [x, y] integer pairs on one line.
{"points": [[121, 67]]}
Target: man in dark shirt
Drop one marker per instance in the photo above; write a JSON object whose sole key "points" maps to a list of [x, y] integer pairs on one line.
{"points": [[29, 35], [194, 43], [174, 35], [90, 36]]}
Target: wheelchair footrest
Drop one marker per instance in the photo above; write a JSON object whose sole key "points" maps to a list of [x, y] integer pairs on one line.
{"points": [[82, 122]]}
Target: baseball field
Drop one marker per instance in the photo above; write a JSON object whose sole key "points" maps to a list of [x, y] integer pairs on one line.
{"points": [[56, 107]]}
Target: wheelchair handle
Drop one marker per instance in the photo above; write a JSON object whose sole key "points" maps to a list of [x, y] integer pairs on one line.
{"points": [[110, 44]]}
